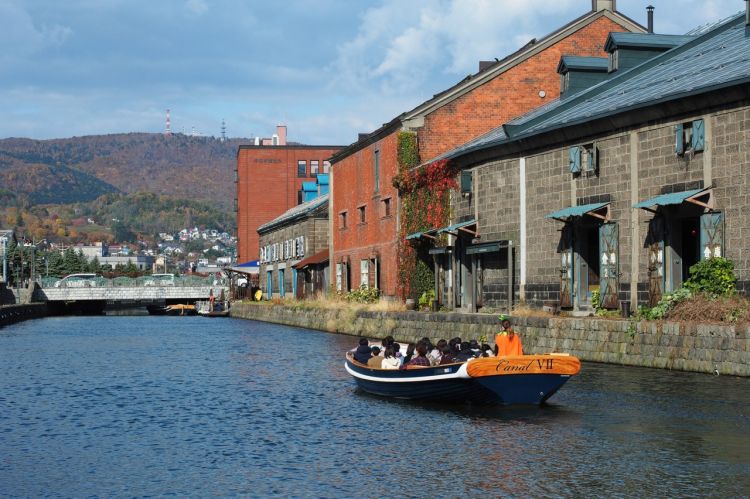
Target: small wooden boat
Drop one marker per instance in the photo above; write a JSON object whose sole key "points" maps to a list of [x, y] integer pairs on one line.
{"points": [[524, 379], [180, 309], [220, 309]]}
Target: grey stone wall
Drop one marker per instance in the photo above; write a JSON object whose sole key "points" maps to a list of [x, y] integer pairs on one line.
{"points": [[700, 348], [10, 314]]}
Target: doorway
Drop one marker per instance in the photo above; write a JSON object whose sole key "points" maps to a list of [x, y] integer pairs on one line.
{"points": [[588, 262]]}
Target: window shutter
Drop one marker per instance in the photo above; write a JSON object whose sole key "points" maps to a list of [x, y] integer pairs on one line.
{"points": [[699, 138], [575, 159], [593, 158], [712, 235], [679, 140], [465, 182]]}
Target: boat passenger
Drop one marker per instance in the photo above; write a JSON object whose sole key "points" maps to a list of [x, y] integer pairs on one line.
{"points": [[363, 352], [420, 360], [376, 360], [455, 345], [507, 342], [447, 357], [487, 351], [387, 341], [465, 353], [389, 359], [409, 353], [397, 353], [436, 352]]}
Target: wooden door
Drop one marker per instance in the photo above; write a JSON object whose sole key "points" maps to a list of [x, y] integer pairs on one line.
{"points": [[712, 235], [566, 267], [655, 241], [609, 255]]}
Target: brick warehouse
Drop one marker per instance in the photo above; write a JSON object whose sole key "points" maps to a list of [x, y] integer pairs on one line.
{"points": [[618, 188], [269, 181], [364, 204]]}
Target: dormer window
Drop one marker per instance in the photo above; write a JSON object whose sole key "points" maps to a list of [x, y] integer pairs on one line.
{"points": [[614, 60]]}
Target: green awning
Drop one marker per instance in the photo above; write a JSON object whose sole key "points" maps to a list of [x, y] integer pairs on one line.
{"points": [[441, 251], [578, 211], [456, 226], [493, 247], [673, 198], [418, 235]]}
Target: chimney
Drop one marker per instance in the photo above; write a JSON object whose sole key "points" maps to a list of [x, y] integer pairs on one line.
{"points": [[597, 5], [650, 12], [281, 132]]}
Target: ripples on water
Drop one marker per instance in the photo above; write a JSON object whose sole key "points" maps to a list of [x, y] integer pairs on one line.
{"points": [[122, 406]]}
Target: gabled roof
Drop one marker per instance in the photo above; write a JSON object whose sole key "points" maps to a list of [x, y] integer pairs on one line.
{"points": [[484, 75], [297, 213], [715, 60]]}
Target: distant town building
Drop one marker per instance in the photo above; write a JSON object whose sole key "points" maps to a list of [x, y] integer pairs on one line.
{"points": [[272, 178]]}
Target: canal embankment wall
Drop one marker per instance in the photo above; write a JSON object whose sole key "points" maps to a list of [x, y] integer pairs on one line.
{"points": [[707, 348], [11, 314]]}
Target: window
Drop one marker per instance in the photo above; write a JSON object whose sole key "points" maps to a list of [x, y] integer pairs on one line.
{"points": [[386, 207], [466, 182], [342, 220], [326, 166], [339, 276], [614, 61], [584, 159], [302, 168], [314, 167], [376, 170], [690, 138], [364, 274], [564, 82], [362, 216]]}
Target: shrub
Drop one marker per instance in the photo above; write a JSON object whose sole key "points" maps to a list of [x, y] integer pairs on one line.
{"points": [[667, 303], [714, 276], [426, 299], [363, 295]]}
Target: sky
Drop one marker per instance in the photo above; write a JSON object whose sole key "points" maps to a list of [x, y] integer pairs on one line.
{"points": [[328, 69]]}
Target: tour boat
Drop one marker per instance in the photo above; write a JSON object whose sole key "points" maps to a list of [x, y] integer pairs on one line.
{"points": [[523, 379]]}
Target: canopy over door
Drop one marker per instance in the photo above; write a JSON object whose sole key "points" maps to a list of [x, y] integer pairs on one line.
{"points": [[609, 255], [566, 267]]}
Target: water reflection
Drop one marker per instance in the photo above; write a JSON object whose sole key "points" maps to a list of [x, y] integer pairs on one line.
{"points": [[189, 406]]}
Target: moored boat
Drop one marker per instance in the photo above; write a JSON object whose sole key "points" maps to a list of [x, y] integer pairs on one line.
{"points": [[523, 379]]}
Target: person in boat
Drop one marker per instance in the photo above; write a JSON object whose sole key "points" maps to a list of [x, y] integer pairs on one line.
{"points": [[487, 351], [447, 357], [409, 353], [376, 361], [437, 352], [455, 344], [387, 341], [397, 353], [465, 353], [420, 359], [389, 359], [507, 342], [363, 352]]}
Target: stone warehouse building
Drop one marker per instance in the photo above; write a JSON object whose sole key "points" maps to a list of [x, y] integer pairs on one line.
{"points": [[618, 187], [295, 237], [271, 179], [365, 204]]}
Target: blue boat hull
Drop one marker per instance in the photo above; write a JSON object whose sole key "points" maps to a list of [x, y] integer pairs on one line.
{"points": [[451, 384]]}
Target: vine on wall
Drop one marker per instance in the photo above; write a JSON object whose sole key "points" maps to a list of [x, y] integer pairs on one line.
{"points": [[425, 204]]}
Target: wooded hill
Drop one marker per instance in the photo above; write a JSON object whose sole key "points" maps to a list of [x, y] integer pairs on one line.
{"points": [[80, 169]]}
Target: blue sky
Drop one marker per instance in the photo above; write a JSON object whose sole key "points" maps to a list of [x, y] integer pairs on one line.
{"points": [[327, 68]]}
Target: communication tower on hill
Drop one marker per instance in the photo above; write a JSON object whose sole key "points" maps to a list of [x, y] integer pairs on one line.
{"points": [[223, 130], [168, 125]]}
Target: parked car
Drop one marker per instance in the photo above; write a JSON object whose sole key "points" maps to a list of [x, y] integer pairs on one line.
{"points": [[77, 281], [160, 280]]}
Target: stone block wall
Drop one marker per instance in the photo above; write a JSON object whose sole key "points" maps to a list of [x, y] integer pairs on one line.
{"points": [[705, 348]]}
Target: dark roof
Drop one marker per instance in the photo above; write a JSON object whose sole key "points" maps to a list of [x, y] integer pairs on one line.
{"points": [[316, 259], [644, 40], [717, 59], [568, 62], [293, 214]]}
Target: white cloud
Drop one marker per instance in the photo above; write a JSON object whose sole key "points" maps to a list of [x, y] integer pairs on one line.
{"points": [[196, 7]]}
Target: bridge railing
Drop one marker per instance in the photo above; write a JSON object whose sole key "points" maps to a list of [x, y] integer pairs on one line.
{"points": [[134, 282]]}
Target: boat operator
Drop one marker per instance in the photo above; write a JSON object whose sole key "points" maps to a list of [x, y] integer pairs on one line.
{"points": [[507, 342]]}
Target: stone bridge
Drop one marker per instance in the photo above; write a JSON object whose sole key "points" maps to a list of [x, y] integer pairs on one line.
{"points": [[138, 294]]}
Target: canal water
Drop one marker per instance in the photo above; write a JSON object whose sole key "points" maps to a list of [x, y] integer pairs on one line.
{"points": [[144, 406]]}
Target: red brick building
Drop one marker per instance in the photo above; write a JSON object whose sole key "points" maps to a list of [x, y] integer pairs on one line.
{"points": [[269, 181], [364, 205]]}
